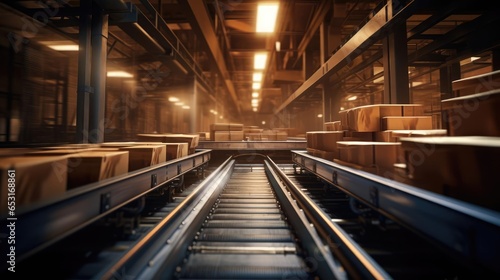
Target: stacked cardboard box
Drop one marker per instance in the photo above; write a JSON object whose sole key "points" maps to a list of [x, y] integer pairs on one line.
{"points": [[463, 167], [35, 179], [323, 143], [371, 133], [476, 84], [141, 156], [474, 114], [191, 139], [226, 132], [93, 166], [274, 135]]}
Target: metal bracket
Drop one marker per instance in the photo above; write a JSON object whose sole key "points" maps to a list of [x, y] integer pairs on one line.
{"points": [[105, 202], [179, 169], [374, 196], [335, 177], [154, 180]]}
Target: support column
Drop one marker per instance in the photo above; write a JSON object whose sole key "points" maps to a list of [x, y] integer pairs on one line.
{"points": [[99, 57], [308, 64], [194, 111], [84, 88], [396, 89], [447, 75], [495, 57]]}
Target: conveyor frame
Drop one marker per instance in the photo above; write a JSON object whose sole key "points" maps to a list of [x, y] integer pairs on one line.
{"points": [[41, 225], [468, 231]]}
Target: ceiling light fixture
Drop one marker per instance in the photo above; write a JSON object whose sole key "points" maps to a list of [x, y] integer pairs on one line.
{"points": [[173, 99], [255, 94], [64, 48], [256, 86], [119, 74], [257, 76], [352, 98], [259, 61], [266, 17]]}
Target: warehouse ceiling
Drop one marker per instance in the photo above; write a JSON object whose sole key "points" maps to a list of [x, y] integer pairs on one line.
{"points": [[215, 42]]}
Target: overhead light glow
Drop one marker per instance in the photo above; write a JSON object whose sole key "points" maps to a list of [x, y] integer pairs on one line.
{"points": [[257, 77], [64, 48], [255, 94], [179, 103], [173, 99], [254, 109], [186, 107], [320, 115], [119, 74], [255, 101], [256, 86], [259, 61], [352, 98], [255, 105], [266, 17]]}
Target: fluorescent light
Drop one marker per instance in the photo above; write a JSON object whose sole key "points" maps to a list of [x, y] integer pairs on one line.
{"points": [[266, 17], [254, 109], [255, 101], [119, 74], [259, 61], [173, 99], [255, 105], [221, 117], [256, 86], [352, 98], [186, 107], [64, 48], [263, 122], [278, 46], [472, 58], [257, 76], [179, 103], [255, 94], [320, 115]]}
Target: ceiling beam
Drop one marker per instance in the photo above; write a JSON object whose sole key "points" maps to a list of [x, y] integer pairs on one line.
{"points": [[202, 25]]}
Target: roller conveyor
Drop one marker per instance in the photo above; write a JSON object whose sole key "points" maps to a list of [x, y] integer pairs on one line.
{"points": [[245, 235]]}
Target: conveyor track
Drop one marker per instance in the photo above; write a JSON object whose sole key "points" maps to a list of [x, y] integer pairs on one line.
{"points": [[246, 235]]}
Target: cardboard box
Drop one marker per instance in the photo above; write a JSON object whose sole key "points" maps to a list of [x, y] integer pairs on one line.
{"points": [[37, 178], [408, 123], [228, 135], [476, 84], [359, 136], [381, 155], [192, 139], [473, 115], [463, 167], [12, 152], [249, 136], [395, 135], [176, 150], [145, 155], [89, 167], [368, 118], [226, 127], [333, 126]]}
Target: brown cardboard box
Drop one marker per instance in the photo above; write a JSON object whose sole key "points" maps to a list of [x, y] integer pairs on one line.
{"points": [[344, 119], [89, 167], [228, 135], [359, 136], [226, 127], [473, 115], [368, 118], [463, 167], [58, 152], [37, 178], [145, 155], [120, 144], [476, 84], [408, 123], [395, 135], [12, 152], [382, 155], [250, 136], [192, 139], [176, 150]]}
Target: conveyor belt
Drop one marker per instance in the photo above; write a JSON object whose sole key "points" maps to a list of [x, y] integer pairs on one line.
{"points": [[245, 236]]}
